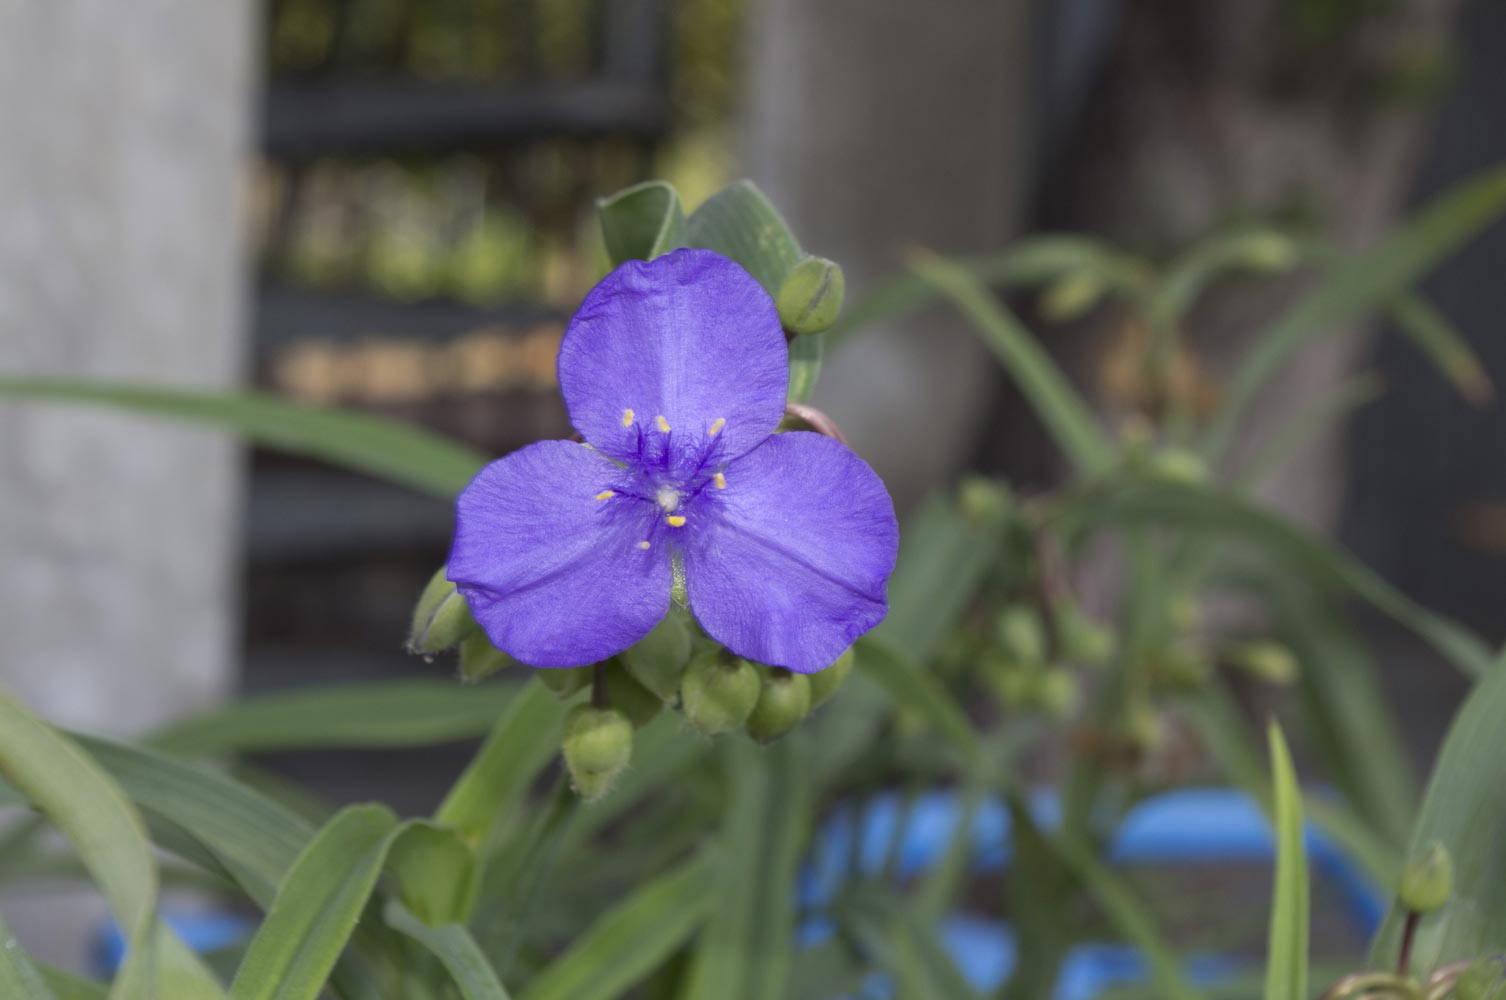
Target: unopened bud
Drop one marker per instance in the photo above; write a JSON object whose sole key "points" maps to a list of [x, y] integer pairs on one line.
{"points": [[1057, 692], [1428, 880], [1015, 684], [1269, 661], [1270, 252], [564, 681], [718, 695], [824, 683], [1184, 667], [1083, 640], [1178, 465], [479, 659], [441, 618], [983, 501], [1072, 295], [783, 700], [658, 660], [634, 700], [1021, 634], [598, 746], [1144, 728], [810, 297]]}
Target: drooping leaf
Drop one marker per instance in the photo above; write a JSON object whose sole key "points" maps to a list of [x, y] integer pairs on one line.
{"points": [[19, 979], [369, 715], [1066, 416], [386, 449], [60, 780], [454, 947]]}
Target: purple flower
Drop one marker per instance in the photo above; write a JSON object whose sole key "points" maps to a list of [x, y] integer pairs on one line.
{"points": [[675, 372]]}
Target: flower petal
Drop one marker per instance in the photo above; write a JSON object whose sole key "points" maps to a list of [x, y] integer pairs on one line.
{"points": [[689, 342], [790, 564], [554, 571]]}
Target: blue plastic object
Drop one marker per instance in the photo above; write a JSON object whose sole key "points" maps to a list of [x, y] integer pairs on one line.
{"points": [[202, 932], [1180, 828]]}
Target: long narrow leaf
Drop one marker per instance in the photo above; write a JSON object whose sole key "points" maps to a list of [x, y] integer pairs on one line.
{"points": [[19, 979], [1286, 960], [1067, 417], [62, 782], [397, 452], [381, 714], [745, 951], [633, 938], [454, 947], [1366, 282]]}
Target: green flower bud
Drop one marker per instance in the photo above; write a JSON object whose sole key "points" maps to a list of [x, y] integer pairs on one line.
{"points": [[1183, 667], [479, 659], [716, 695], [1084, 640], [1178, 465], [1057, 692], [1269, 661], [634, 700], [441, 618], [1269, 252], [659, 659], [783, 700], [983, 501], [1021, 634], [564, 681], [598, 746], [1428, 880], [824, 683], [810, 297], [1144, 728], [1072, 295], [1014, 684]]}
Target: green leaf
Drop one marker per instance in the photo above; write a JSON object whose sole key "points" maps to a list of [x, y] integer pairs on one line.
{"points": [[522, 740], [316, 908], [1196, 508], [436, 872], [1445, 346], [1066, 416], [744, 952], [67, 986], [741, 223], [897, 940], [806, 353], [1286, 961], [386, 449], [642, 222], [1130, 917], [1464, 809], [910, 685], [633, 938], [1363, 283], [19, 979], [944, 559], [369, 715], [455, 948], [59, 779]]}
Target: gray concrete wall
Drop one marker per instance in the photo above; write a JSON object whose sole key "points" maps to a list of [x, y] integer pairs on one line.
{"points": [[123, 135]]}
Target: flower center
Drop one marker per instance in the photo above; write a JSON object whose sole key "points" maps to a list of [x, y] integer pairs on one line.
{"points": [[668, 499]]}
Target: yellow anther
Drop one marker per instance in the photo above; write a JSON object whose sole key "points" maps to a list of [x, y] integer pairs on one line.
{"points": [[716, 427], [643, 545], [663, 424], [720, 480], [675, 520], [627, 418], [606, 494]]}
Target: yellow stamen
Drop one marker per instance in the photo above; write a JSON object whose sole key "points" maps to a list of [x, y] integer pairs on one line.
{"points": [[643, 545], [627, 418], [606, 494], [720, 480], [663, 424], [716, 427], [675, 520]]}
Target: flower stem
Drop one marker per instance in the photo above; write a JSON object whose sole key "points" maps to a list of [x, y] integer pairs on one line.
{"points": [[599, 686], [1408, 932]]}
